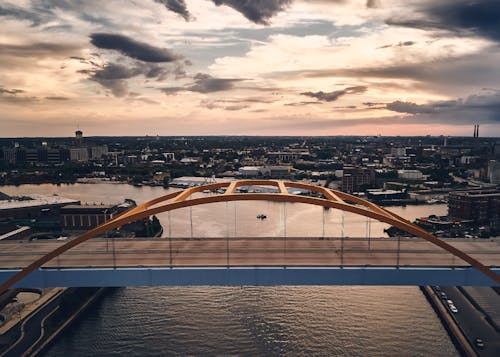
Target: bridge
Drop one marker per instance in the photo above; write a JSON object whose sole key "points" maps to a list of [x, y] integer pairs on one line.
{"points": [[82, 261]]}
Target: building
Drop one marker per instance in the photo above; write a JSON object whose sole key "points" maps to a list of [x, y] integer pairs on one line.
{"points": [[249, 171], [35, 207], [97, 152], [398, 152], [79, 154], [411, 175], [81, 217], [264, 171], [356, 179], [381, 195], [480, 206], [85, 217], [276, 171], [289, 155], [494, 171], [78, 137], [169, 156]]}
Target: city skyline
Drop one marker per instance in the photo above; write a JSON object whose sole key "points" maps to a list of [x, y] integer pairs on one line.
{"points": [[233, 67]]}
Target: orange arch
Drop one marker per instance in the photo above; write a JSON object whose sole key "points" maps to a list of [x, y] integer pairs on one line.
{"points": [[322, 197]]}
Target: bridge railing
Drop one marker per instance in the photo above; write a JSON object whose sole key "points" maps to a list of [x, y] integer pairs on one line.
{"points": [[249, 251]]}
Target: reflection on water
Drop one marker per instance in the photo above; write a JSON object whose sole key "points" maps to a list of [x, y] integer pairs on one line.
{"points": [[328, 321]]}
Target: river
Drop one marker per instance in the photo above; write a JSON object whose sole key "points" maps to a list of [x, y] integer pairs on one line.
{"points": [[201, 321]]}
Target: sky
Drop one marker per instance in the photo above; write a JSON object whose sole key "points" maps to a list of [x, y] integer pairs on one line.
{"points": [[249, 67]]}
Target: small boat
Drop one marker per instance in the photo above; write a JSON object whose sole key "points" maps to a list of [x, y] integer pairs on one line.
{"points": [[261, 216]]}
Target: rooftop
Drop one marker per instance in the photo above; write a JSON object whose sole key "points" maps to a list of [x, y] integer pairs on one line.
{"points": [[35, 201]]}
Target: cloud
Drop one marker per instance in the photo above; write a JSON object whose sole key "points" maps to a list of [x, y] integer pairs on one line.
{"points": [[484, 106], [481, 18], [205, 83], [215, 105], [233, 104], [333, 96], [11, 96], [177, 6], [409, 107], [21, 14], [56, 98], [132, 48], [114, 76], [10, 91], [258, 11], [400, 44], [38, 49], [300, 104]]}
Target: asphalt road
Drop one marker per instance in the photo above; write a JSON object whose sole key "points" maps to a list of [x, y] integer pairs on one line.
{"points": [[473, 323], [249, 252], [30, 329]]}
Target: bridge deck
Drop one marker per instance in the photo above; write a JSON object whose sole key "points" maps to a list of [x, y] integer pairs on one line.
{"points": [[249, 252]]}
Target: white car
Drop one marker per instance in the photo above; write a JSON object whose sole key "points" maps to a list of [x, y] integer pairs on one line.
{"points": [[453, 309]]}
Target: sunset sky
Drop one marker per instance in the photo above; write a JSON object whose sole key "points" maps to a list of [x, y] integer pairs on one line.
{"points": [[249, 67]]}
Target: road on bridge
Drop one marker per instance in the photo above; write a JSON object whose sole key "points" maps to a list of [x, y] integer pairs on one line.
{"points": [[194, 252]]}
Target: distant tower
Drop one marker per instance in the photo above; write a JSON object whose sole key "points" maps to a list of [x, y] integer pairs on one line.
{"points": [[445, 141], [78, 137], [476, 130]]}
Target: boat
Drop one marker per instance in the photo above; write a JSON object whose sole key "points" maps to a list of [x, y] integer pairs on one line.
{"points": [[261, 216]]}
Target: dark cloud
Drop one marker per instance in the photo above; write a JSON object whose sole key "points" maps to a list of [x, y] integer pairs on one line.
{"points": [[372, 4], [484, 106], [258, 11], [300, 104], [177, 6], [204, 83], [10, 91], [15, 96], [399, 44], [409, 107], [132, 48], [372, 104], [333, 96], [114, 76], [465, 17], [21, 14], [43, 12]]}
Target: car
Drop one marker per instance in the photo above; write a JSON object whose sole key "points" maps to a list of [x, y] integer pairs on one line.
{"points": [[437, 288], [453, 309], [449, 302], [479, 343], [443, 296]]}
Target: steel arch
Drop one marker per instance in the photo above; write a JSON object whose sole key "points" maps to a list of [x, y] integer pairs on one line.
{"points": [[326, 198]]}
